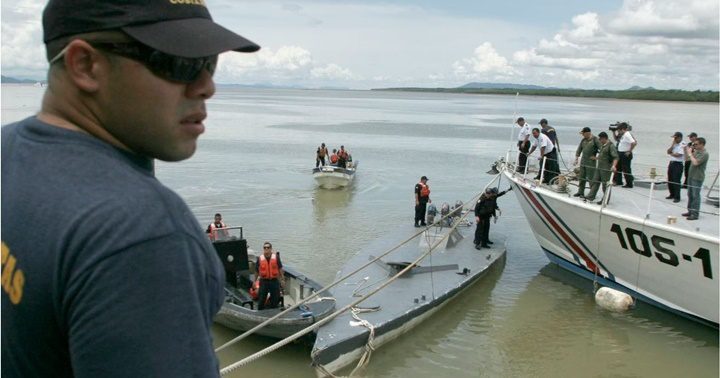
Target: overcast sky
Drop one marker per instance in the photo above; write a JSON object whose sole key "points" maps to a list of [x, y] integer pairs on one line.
{"points": [[610, 44]]}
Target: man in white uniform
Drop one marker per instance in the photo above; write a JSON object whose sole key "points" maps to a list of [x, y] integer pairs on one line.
{"points": [[547, 151], [523, 143], [676, 166], [626, 144]]}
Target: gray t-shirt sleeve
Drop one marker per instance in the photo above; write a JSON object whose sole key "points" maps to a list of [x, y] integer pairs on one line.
{"points": [[142, 312]]}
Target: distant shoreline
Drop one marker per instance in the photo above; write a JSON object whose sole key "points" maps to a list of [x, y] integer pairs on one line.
{"points": [[627, 94]]}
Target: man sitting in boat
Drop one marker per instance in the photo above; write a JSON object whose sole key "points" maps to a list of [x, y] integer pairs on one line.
{"points": [[334, 158], [271, 276], [217, 229], [607, 161]]}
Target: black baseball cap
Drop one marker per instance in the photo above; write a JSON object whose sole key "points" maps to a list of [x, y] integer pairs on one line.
{"points": [[177, 27], [585, 130], [424, 178], [543, 121], [692, 135], [520, 119], [677, 135], [602, 135]]}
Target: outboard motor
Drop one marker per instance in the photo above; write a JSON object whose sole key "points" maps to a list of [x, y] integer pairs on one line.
{"points": [[431, 213], [444, 211], [457, 209]]}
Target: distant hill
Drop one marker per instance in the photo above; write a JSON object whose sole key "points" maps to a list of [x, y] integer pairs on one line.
{"points": [[11, 80], [475, 85], [632, 93]]}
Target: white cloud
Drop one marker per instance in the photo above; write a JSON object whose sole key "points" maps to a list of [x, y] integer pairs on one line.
{"points": [[671, 19], [287, 63], [331, 71], [484, 63]]}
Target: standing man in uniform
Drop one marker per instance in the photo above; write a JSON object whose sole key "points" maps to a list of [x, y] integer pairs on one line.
{"points": [[586, 152], [119, 278], [485, 208], [547, 151], [698, 159], [626, 145], [271, 275], [422, 196], [523, 144], [607, 160], [692, 136], [675, 166], [550, 132]]}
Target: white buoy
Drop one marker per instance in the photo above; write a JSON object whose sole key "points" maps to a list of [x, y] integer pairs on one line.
{"points": [[613, 300]]}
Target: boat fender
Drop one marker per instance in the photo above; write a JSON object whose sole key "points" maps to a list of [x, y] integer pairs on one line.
{"points": [[307, 314], [613, 300], [464, 272]]}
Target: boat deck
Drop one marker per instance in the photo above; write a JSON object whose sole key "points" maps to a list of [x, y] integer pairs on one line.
{"points": [[453, 266], [638, 203]]}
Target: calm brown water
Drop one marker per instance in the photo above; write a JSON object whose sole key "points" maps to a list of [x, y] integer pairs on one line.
{"points": [[531, 319]]}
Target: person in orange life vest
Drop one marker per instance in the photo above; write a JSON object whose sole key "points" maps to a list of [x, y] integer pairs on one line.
{"points": [[334, 157], [422, 196], [216, 230], [271, 276], [342, 157], [322, 151]]}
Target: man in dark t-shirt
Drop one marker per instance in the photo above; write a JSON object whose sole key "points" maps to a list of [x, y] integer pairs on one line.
{"points": [[105, 271]]}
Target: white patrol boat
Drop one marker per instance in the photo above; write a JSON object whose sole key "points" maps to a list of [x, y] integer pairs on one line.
{"points": [[635, 242]]}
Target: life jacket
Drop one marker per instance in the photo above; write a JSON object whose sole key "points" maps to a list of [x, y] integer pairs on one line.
{"points": [[213, 229], [424, 190], [334, 158], [269, 269]]}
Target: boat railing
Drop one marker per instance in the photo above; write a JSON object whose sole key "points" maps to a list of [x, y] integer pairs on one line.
{"points": [[565, 178]]}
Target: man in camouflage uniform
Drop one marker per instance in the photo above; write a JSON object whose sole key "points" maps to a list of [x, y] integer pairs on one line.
{"points": [[607, 160], [586, 151]]}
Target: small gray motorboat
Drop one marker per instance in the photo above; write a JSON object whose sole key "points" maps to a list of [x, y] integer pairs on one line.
{"points": [[239, 310], [452, 267]]}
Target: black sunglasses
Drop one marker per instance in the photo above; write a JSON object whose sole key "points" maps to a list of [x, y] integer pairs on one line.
{"points": [[170, 67]]}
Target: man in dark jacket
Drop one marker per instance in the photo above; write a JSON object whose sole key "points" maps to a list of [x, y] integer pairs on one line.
{"points": [[484, 209]]}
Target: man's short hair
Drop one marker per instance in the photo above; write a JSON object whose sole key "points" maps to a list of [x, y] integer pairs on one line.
{"points": [[267, 243], [218, 215], [602, 135], [700, 140], [535, 129], [692, 135]]}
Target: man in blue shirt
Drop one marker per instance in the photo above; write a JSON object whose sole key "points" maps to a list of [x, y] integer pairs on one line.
{"points": [[106, 272]]}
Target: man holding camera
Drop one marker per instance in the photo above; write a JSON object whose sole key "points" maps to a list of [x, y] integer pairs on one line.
{"points": [[626, 144], [692, 136], [698, 162]]}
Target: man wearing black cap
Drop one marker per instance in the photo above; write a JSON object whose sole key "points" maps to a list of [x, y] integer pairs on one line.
{"points": [[550, 132], [692, 136], [523, 144], [422, 196], [106, 272], [625, 147], [585, 154], [675, 166], [607, 160]]}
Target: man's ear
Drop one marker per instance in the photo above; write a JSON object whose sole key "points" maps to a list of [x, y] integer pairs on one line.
{"points": [[85, 65]]}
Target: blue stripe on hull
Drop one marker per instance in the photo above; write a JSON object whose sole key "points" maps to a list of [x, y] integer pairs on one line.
{"points": [[581, 271]]}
